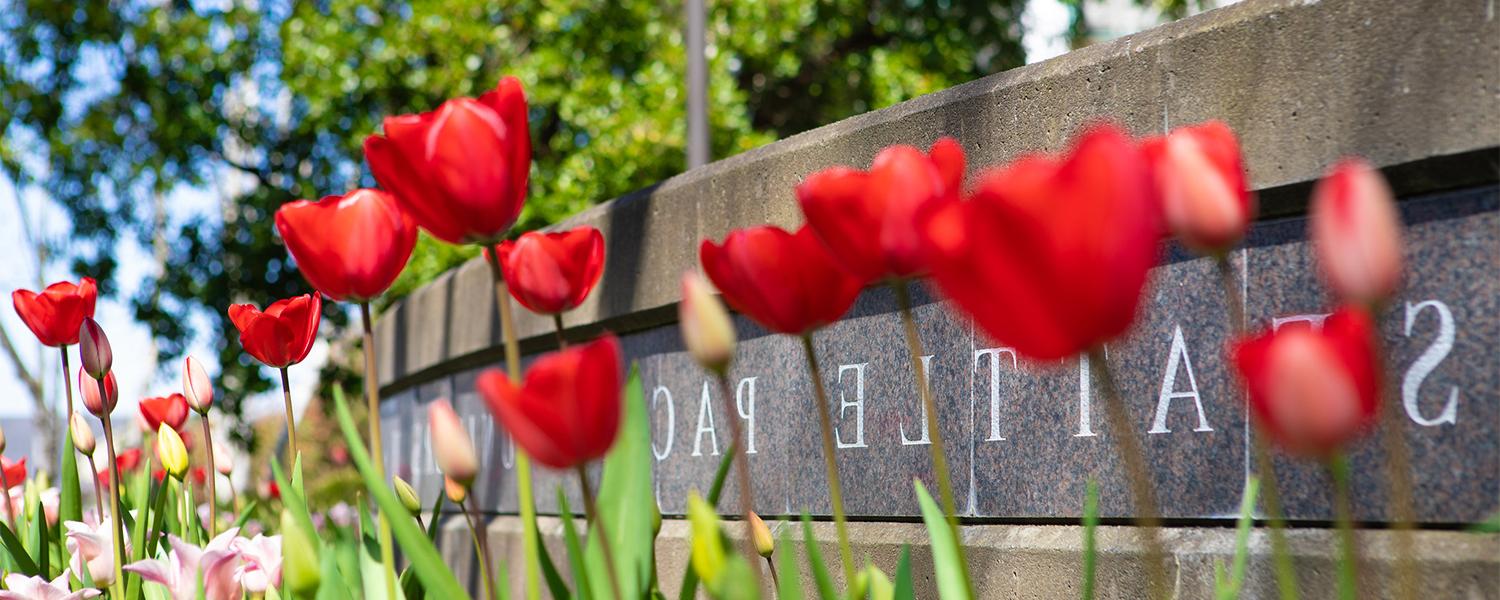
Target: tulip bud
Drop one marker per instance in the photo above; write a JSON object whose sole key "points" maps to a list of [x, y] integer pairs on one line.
{"points": [[408, 496], [171, 452], [196, 386], [708, 556], [655, 519], [1201, 185], [706, 329], [93, 347], [457, 492], [761, 535], [223, 460], [450, 444], [299, 565], [1356, 232], [83, 435], [99, 397]]}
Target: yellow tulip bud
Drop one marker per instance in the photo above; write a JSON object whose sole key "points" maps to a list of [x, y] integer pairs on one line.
{"points": [[408, 496], [457, 492], [706, 329], [708, 557], [171, 452], [761, 535]]}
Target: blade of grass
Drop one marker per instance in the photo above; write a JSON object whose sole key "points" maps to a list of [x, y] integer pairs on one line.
{"points": [[1090, 529]]}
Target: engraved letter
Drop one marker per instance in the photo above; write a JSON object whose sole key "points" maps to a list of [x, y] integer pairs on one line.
{"points": [[901, 426], [1315, 320], [656, 394], [858, 404], [994, 354], [745, 403], [1168, 386], [705, 413], [1085, 398], [1411, 385]]}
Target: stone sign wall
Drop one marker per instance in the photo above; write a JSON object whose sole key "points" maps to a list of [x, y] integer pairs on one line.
{"points": [[1409, 85], [1023, 438]]}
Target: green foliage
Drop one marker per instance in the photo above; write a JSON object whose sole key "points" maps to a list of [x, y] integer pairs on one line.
{"points": [[689, 587], [815, 562], [1227, 587], [1090, 530], [951, 583], [625, 495], [256, 104]]}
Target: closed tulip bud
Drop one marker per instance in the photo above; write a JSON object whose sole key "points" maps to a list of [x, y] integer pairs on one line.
{"points": [[83, 435], [761, 535], [223, 460], [706, 329], [299, 565], [1200, 183], [451, 445], [1356, 232], [99, 397], [171, 452], [655, 519], [93, 347], [708, 556], [457, 492], [196, 386], [407, 496]]}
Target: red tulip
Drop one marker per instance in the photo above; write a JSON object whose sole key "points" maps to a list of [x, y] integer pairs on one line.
{"points": [[1200, 182], [787, 282], [1312, 391], [15, 472], [567, 411], [550, 273], [94, 351], [459, 171], [349, 247], [284, 333], [99, 397], [199, 475], [56, 314], [1356, 232], [1050, 254], [868, 220], [171, 410]]}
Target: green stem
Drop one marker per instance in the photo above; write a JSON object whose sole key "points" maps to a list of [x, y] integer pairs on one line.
{"points": [[742, 473], [835, 493], [1147, 521], [557, 323], [1343, 515], [98, 493], [525, 497], [377, 452], [1398, 471], [114, 501], [213, 497], [481, 549], [292, 454], [1281, 557], [591, 510], [68, 387]]}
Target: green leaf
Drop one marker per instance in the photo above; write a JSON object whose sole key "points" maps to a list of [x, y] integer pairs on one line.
{"points": [[1090, 529], [575, 548], [555, 584], [905, 589], [945, 555], [331, 573], [70, 507], [625, 495], [1490, 525], [292, 497], [689, 586], [244, 516], [815, 562], [789, 577], [39, 541], [410, 585], [18, 555], [425, 560], [879, 584]]}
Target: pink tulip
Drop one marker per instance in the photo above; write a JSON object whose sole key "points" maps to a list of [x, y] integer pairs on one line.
{"points": [[99, 397], [451, 445], [261, 568], [1200, 182], [22, 587], [1356, 231], [91, 544], [214, 565], [93, 348], [196, 386]]}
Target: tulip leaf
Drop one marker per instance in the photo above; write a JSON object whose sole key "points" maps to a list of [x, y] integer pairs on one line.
{"points": [[575, 548], [244, 516], [332, 573], [1090, 529], [39, 540], [555, 584], [951, 583], [815, 562], [411, 587], [1229, 588], [789, 578], [70, 505], [689, 586], [20, 559], [880, 587], [625, 497], [905, 590], [425, 560]]}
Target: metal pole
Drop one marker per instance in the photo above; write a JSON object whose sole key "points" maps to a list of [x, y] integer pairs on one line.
{"points": [[697, 84]]}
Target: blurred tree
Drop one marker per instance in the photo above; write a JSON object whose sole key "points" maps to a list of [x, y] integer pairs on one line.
{"points": [[260, 103]]}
